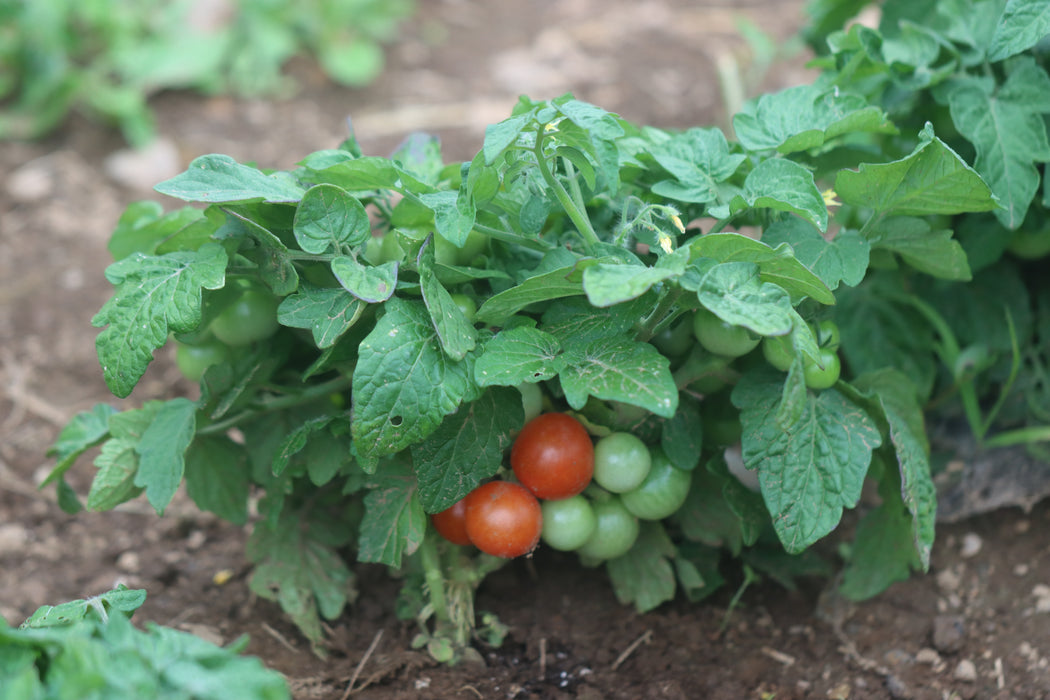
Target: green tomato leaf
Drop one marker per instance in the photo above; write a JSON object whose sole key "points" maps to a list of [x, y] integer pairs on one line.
{"points": [[895, 395], [783, 185], [162, 451], [327, 312], [777, 265], [808, 471], [218, 478], [219, 178], [679, 438], [501, 135], [644, 576], [881, 553], [933, 179], [1007, 129], [394, 522], [934, 252], [363, 174], [518, 355], [298, 567], [85, 430], [296, 440], [369, 283], [404, 385], [457, 335], [619, 369], [118, 460], [155, 296], [1023, 24], [556, 284], [467, 448], [698, 159], [575, 321], [607, 284], [121, 598], [735, 292], [803, 118], [842, 259], [454, 214], [328, 219], [145, 228]]}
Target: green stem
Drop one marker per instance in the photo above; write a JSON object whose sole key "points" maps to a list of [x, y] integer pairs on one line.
{"points": [[575, 212], [661, 317], [513, 238], [279, 403], [434, 578]]}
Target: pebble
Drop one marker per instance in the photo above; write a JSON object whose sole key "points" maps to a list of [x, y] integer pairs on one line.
{"points": [[949, 633], [32, 182], [897, 688], [971, 545], [142, 168], [129, 561], [949, 580], [927, 656], [966, 671], [13, 538], [897, 657]]}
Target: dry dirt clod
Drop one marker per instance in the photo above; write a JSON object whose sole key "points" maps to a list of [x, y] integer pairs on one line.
{"points": [[897, 688], [949, 633], [965, 671]]}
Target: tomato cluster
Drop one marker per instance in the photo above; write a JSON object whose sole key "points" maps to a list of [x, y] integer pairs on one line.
{"points": [[574, 494]]}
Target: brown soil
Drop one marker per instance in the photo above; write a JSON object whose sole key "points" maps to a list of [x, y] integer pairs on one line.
{"points": [[974, 627]]}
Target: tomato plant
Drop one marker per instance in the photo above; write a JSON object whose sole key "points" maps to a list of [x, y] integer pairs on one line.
{"points": [[621, 462], [503, 519], [553, 456], [250, 318], [568, 523], [854, 210], [451, 523]]}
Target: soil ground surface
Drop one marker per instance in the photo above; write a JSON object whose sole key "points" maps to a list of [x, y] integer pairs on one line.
{"points": [[974, 627]]}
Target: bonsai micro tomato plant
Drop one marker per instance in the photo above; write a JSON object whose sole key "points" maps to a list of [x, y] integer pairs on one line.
{"points": [[483, 324]]}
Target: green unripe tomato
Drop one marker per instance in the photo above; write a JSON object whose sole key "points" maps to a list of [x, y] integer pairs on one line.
{"points": [[663, 491], [614, 534], [252, 317], [1030, 245], [828, 336], [822, 375], [723, 338], [447, 253], [778, 351], [193, 360], [675, 340], [467, 305], [621, 462], [531, 400], [568, 523]]}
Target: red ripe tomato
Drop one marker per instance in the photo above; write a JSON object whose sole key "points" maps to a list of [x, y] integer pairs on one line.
{"points": [[451, 523], [553, 456], [503, 519]]}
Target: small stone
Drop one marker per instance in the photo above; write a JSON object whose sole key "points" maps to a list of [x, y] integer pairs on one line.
{"points": [[129, 561], [948, 580], [965, 671], [897, 657], [1021, 570], [949, 633], [928, 656], [13, 538], [840, 692], [32, 182], [971, 545], [897, 688], [140, 169]]}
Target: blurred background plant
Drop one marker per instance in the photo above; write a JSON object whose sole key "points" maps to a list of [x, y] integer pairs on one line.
{"points": [[104, 58]]}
